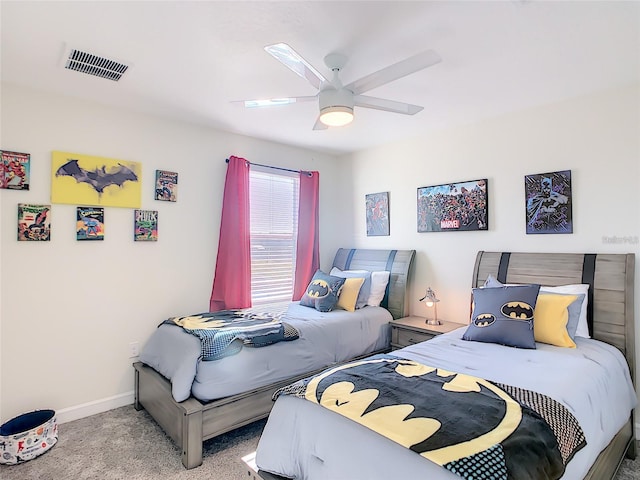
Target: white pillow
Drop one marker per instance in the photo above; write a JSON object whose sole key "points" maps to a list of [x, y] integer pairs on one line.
{"points": [[580, 288], [379, 282]]}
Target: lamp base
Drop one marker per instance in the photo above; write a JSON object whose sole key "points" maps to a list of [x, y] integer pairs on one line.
{"points": [[433, 321]]}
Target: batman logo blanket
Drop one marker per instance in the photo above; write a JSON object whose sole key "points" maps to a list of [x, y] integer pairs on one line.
{"points": [[473, 427], [224, 333]]}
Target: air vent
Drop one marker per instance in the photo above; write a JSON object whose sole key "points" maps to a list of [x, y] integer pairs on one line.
{"points": [[94, 65]]}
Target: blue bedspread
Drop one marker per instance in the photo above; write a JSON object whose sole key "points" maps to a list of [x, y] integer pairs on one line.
{"points": [[225, 333]]}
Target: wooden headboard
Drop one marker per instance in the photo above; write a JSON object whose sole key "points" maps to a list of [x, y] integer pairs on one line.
{"points": [[611, 279], [398, 262]]}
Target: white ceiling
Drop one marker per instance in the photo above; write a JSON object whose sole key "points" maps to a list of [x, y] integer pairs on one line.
{"points": [[190, 60]]}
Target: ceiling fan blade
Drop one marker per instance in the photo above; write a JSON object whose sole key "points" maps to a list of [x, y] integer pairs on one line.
{"points": [[319, 125], [273, 102], [291, 59], [386, 105], [394, 72]]}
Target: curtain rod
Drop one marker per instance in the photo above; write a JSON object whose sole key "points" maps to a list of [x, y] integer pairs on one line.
{"points": [[275, 168]]}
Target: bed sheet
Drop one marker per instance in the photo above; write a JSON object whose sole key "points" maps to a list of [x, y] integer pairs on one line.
{"points": [[304, 441], [325, 338]]}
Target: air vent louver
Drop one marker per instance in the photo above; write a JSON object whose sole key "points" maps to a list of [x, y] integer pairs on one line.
{"points": [[93, 65]]}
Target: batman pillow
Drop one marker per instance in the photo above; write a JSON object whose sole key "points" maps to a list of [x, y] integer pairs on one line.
{"points": [[503, 315], [322, 292], [574, 309]]}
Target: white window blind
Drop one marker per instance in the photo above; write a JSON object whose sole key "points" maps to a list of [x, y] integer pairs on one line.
{"points": [[274, 230]]}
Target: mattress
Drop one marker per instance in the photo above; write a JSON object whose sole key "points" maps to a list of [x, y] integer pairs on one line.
{"points": [[325, 338], [305, 441]]}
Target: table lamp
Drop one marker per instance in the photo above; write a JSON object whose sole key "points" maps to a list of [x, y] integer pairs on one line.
{"points": [[431, 301]]}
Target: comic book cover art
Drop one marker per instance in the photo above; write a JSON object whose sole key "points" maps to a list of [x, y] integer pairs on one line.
{"points": [[548, 202], [166, 186], [377, 208], [15, 170], [145, 225], [460, 206], [90, 223], [34, 222]]}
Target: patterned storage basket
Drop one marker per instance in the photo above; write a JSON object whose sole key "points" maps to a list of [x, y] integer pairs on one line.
{"points": [[27, 436]]}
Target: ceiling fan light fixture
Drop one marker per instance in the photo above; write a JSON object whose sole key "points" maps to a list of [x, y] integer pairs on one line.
{"points": [[336, 116]]}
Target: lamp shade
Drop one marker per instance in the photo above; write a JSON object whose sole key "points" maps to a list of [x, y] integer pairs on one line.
{"points": [[336, 116]]}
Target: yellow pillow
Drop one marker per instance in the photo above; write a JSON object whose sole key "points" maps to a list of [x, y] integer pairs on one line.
{"points": [[349, 293], [550, 320]]}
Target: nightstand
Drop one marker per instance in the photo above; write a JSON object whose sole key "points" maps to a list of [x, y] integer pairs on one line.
{"points": [[409, 330]]}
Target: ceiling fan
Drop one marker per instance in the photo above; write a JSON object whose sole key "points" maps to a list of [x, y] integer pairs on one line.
{"points": [[337, 101]]}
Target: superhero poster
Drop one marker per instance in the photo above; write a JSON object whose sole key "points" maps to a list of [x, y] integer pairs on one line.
{"points": [[145, 225], [90, 223], [34, 222], [548, 202], [377, 207], [14, 170], [101, 182], [460, 206], [166, 186]]}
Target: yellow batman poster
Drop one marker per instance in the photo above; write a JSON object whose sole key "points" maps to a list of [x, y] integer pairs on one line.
{"points": [[87, 180]]}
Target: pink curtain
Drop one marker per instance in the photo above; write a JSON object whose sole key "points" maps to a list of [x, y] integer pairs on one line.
{"points": [[308, 249], [232, 279]]}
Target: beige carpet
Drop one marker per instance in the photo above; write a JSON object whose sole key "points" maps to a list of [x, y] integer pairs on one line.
{"points": [[126, 444]]}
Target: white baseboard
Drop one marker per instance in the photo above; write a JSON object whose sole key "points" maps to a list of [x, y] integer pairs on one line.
{"points": [[98, 406]]}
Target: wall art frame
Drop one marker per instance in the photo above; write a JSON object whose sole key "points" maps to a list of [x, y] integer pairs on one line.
{"points": [[548, 203], [95, 181], [34, 222], [377, 214], [453, 207]]}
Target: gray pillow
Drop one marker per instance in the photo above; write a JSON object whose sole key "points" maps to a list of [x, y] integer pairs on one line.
{"points": [[503, 315], [574, 313], [322, 292], [574, 309], [365, 289]]}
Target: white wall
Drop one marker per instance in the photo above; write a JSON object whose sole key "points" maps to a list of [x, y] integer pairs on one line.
{"points": [[597, 137], [70, 309]]}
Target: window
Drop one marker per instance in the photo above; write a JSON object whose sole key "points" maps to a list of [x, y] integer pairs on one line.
{"points": [[274, 230]]}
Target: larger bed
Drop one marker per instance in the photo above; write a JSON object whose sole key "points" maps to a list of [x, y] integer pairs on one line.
{"points": [[195, 400], [303, 440]]}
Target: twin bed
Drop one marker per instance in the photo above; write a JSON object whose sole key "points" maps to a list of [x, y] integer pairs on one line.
{"points": [[195, 400], [304, 440], [313, 440]]}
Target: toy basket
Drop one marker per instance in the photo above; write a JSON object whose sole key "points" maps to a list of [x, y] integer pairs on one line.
{"points": [[27, 436]]}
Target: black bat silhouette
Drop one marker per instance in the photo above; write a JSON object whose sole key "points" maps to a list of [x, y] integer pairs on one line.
{"points": [[484, 320], [318, 289], [100, 178], [517, 310]]}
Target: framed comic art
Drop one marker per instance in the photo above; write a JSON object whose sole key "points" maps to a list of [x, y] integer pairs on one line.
{"points": [[548, 202], [90, 223], [166, 186], [377, 209], [461, 206], [34, 222], [145, 225]]}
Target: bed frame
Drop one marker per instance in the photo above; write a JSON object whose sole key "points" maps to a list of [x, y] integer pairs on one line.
{"points": [[610, 314], [191, 422]]}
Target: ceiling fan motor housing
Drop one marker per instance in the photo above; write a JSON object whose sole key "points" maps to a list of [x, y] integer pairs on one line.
{"points": [[330, 97]]}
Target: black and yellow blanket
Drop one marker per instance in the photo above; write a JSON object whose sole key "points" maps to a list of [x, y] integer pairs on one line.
{"points": [[473, 427], [224, 333]]}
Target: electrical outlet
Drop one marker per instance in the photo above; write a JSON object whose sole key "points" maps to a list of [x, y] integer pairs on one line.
{"points": [[134, 349]]}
